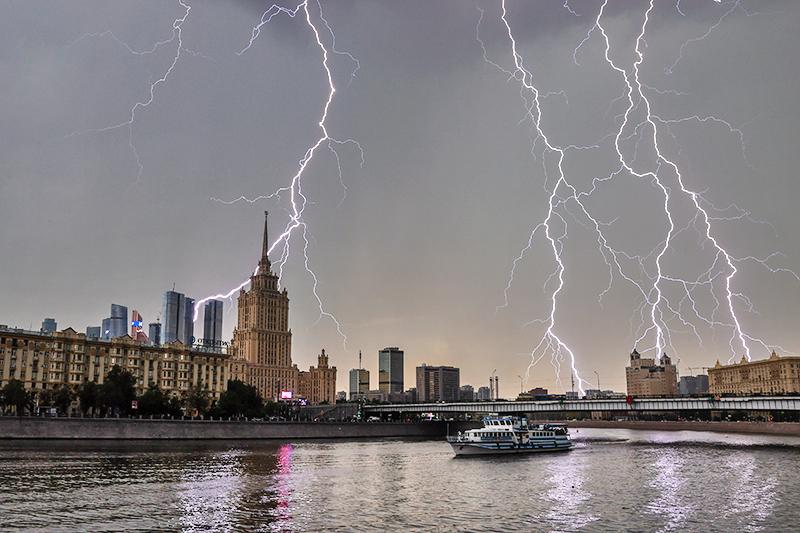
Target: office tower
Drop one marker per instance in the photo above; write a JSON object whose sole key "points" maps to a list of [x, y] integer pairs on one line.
{"points": [[437, 383], [359, 383], [118, 321], [154, 331], [212, 323], [466, 393], [93, 332], [105, 329], [188, 321], [137, 327], [390, 370], [49, 325], [174, 318], [483, 394]]}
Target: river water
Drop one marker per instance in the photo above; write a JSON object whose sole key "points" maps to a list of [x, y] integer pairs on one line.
{"points": [[614, 480]]}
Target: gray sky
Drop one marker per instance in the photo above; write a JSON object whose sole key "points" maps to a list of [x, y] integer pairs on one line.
{"points": [[418, 251]]}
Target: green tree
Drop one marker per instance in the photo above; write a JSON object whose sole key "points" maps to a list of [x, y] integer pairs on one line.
{"points": [[62, 398], [174, 407], [197, 400], [45, 398], [117, 391], [240, 400], [88, 396], [153, 402], [15, 395]]}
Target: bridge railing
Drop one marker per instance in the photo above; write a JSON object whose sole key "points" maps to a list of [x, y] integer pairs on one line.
{"points": [[749, 403]]}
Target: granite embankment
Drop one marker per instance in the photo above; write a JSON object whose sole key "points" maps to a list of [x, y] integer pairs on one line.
{"points": [[756, 428], [136, 429]]}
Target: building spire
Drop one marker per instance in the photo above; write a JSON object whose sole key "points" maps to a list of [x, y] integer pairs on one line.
{"points": [[265, 245]]}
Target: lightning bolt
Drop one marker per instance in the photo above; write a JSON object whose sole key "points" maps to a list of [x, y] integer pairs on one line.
{"points": [[177, 38], [296, 198], [656, 311]]}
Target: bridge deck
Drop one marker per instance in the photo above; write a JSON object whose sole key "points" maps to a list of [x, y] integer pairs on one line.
{"points": [[756, 403]]}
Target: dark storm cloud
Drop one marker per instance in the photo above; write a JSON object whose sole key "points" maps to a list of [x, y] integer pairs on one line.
{"points": [[419, 251]]}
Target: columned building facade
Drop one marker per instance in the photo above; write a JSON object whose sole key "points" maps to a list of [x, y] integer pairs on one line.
{"points": [[262, 340]]}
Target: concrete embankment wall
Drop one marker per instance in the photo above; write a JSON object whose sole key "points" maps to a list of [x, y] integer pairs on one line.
{"points": [[134, 429], [756, 428]]}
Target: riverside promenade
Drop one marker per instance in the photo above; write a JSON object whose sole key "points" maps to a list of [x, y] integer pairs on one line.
{"points": [[791, 429], [75, 428]]}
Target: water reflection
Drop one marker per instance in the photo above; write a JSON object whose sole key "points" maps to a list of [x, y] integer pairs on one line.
{"points": [[603, 485], [753, 497], [567, 493], [669, 480]]}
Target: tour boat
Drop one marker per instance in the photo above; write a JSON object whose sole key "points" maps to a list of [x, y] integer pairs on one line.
{"points": [[507, 435]]}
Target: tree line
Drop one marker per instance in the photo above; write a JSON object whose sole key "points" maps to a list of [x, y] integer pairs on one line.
{"points": [[117, 396]]}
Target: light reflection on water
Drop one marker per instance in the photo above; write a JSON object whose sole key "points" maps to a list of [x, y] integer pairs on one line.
{"points": [[614, 480]]}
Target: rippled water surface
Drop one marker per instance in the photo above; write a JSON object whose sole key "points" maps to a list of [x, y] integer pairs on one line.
{"points": [[614, 480]]}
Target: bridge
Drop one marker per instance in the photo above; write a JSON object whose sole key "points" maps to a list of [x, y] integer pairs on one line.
{"points": [[741, 403]]}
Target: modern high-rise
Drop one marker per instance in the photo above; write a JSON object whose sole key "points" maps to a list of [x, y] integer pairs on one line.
{"points": [[483, 394], [359, 383], [154, 333], [390, 370], [690, 385], [178, 318], [118, 321], [212, 323], [188, 321], [93, 332], [262, 340], [137, 327], [105, 329], [49, 325], [437, 383], [466, 393]]}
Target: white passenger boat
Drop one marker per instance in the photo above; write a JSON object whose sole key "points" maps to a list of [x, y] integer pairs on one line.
{"points": [[508, 435]]}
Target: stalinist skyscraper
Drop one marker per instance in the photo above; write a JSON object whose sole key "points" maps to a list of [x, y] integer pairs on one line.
{"points": [[262, 340]]}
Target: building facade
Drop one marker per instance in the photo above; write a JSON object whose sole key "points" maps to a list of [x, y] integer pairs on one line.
{"points": [[318, 385], [154, 333], [49, 325], [212, 323], [390, 370], [690, 385], [118, 321], [137, 327], [483, 394], [48, 361], [173, 315], [93, 332], [466, 393], [262, 340], [645, 377], [775, 375], [438, 383], [359, 383]]}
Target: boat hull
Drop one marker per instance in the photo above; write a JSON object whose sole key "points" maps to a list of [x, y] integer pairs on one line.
{"points": [[468, 449]]}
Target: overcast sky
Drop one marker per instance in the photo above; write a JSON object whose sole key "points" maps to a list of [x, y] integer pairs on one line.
{"points": [[416, 248]]}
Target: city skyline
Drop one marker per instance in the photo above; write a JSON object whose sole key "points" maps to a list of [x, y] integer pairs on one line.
{"points": [[416, 248]]}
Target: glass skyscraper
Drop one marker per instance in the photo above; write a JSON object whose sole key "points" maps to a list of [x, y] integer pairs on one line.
{"points": [[154, 333], [118, 321], [49, 325], [177, 318], [212, 323], [390, 370]]}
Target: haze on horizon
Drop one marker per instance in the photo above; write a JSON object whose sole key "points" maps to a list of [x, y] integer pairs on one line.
{"points": [[414, 248]]}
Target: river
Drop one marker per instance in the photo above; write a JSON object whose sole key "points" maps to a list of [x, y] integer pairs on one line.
{"points": [[614, 480]]}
